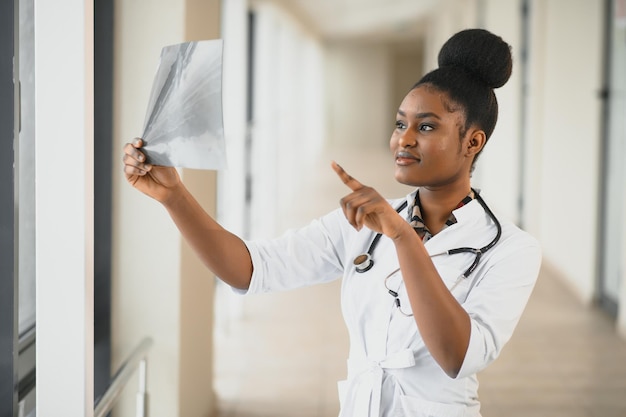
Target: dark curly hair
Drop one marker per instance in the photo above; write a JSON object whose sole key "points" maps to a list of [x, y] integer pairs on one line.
{"points": [[471, 64]]}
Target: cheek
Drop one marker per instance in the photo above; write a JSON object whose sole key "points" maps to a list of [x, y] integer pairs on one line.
{"points": [[448, 147], [443, 149]]}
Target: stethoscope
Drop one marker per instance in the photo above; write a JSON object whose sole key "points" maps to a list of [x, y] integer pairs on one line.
{"points": [[365, 262]]}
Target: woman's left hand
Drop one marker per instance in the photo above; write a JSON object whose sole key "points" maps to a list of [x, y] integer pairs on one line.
{"points": [[364, 206]]}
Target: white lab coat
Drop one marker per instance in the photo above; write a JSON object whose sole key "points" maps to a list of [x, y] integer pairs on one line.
{"points": [[390, 371]]}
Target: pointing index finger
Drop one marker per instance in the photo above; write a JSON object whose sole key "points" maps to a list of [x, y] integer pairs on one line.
{"points": [[346, 178]]}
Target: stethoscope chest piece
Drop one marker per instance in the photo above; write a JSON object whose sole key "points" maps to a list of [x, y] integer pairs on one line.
{"points": [[363, 263]]}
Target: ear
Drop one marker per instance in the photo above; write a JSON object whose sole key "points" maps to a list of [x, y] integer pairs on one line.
{"points": [[475, 141]]}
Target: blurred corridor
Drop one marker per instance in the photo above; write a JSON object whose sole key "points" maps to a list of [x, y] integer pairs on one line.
{"points": [[87, 260], [282, 354]]}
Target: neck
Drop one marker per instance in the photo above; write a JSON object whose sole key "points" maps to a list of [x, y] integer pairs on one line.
{"points": [[437, 204]]}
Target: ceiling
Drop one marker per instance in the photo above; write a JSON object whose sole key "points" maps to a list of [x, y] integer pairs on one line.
{"points": [[387, 20]]}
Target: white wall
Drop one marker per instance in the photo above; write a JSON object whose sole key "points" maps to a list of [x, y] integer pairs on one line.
{"points": [[358, 94], [288, 123], [159, 289], [145, 242], [497, 169], [569, 133], [264, 163], [231, 188], [406, 69], [64, 210], [621, 319], [535, 109]]}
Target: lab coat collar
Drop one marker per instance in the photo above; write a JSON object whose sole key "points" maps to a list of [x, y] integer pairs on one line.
{"points": [[470, 212], [467, 213], [470, 218]]}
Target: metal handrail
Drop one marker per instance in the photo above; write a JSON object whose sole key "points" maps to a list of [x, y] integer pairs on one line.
{"points": [[136, 360], [28, 380]]}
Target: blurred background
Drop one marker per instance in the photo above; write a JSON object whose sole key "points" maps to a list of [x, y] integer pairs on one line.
{"points": [[304, 82]]}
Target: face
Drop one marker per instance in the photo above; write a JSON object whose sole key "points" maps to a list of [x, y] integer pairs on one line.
{"points": [[426, 142]]}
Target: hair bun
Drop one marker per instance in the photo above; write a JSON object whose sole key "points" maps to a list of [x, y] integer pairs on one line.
{"points": [[481, 54]]}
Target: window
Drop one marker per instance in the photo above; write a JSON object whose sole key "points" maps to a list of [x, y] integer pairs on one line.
{"points": [[8, 284], [612, 210]]}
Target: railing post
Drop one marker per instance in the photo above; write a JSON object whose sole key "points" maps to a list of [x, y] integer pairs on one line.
{"points": [[142, 395]]}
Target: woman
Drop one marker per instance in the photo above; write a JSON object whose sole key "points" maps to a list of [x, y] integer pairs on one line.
{"points": [[448, 283]]}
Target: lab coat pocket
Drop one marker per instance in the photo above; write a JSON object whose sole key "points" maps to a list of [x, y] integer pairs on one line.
{"points": [[416, 407]]}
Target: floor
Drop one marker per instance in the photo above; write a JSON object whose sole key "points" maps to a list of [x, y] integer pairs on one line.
{"points": [[280, 355]]}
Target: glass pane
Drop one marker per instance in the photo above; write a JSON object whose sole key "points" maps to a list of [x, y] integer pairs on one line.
{"points": [[614, 204], [26, 176]]}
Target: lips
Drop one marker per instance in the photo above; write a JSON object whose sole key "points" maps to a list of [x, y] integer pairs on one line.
{"points": [[405, 158]]}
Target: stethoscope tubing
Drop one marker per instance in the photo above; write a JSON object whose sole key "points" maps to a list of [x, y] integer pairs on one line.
{"points": [[365, 261]]}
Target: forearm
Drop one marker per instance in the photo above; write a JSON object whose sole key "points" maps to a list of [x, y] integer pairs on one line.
{"points": [[222, 252], [444, 325]]}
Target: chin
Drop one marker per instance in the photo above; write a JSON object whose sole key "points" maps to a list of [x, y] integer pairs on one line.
{"points": [[402, 179]]}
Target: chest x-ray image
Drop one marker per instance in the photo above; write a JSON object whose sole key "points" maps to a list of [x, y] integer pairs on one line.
{"points": [[184, 126]]}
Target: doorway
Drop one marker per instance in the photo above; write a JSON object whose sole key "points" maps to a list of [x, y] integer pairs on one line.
{"points": [[614, 159]]}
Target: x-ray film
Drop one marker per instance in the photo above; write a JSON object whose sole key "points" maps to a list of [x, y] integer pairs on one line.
{"points": [[184, 126]]}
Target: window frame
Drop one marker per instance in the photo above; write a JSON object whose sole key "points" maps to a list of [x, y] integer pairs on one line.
{"points": [[8, 252]]}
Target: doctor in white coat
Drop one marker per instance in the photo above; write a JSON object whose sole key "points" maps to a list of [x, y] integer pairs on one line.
{"points": [[449, 280]]}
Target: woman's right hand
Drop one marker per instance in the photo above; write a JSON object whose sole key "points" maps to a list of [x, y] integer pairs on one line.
{"points": [[158, 182]]}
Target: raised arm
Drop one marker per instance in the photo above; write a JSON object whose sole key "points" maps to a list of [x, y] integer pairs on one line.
{"points": [[222, 252], [444, 325]]}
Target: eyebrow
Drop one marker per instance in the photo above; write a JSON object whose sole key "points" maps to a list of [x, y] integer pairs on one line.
{"points": [[421, 115]]}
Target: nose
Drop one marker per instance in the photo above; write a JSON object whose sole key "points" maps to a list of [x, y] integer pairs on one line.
{"points": [[407, 139]]}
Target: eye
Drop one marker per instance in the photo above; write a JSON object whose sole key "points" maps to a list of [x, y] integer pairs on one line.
{"points": [[425, 127], [400, 124]]}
